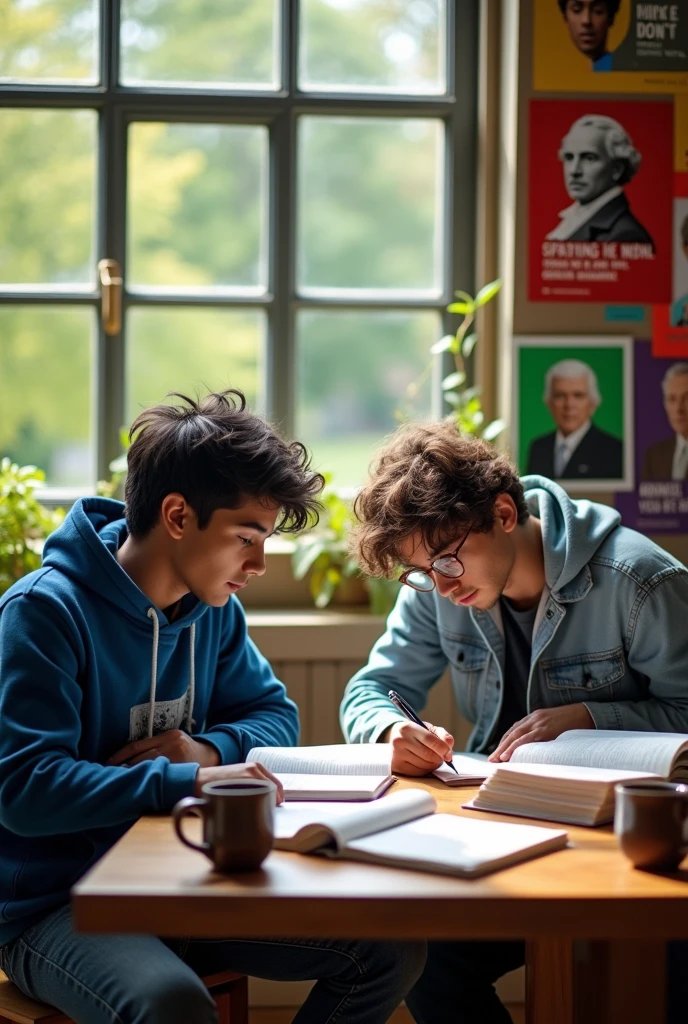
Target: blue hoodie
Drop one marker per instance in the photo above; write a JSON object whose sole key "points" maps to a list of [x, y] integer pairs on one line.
{"points": [[88, 664]]}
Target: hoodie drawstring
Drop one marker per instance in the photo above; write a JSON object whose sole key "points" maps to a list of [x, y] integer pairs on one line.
{"points": [[153, 616]]}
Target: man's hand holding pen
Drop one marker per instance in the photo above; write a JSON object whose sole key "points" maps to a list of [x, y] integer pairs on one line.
{"points": [[418, 750]]}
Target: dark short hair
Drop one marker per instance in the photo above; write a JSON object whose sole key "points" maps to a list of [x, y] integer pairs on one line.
{"points": [[430, 479], [217, 454], [611, 5]]}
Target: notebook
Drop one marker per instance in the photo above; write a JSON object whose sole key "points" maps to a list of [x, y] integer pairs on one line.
{"points": [[353, 761], [571, 779], [403, 831]]}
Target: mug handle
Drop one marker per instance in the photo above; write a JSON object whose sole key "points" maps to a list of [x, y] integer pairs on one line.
{"points": [[189, 805]]}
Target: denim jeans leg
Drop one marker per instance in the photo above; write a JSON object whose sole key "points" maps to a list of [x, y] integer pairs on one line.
{"points": [[139, 979], [358, 982], [106, 979], [458, 982]]}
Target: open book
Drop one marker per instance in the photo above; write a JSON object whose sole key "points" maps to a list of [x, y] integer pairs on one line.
{"points": [[352, 771], [340, 771], [403, 831], [572, 778]]}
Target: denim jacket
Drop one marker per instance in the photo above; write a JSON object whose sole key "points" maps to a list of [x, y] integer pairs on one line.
{"points": [[611, 632]]}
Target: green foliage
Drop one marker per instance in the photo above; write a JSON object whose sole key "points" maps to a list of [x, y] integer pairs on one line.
{"points": [[323, 552], [464, 400], [24, 522]]}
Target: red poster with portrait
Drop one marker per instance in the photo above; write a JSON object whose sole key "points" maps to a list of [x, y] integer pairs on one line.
{"points": [[600, 201]]}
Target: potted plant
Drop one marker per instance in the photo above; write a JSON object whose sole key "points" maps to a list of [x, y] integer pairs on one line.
{"points": [[24, 522]]}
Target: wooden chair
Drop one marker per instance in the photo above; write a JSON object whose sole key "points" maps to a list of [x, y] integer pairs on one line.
{"points": [[229, 990]]}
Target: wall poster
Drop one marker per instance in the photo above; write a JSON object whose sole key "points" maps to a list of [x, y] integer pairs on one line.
{"points": [[603, 46], [600, 212], [659, 503], [573, 415]]}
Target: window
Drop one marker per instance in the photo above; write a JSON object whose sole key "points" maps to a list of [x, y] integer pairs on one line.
{"points": [[284, 188]]}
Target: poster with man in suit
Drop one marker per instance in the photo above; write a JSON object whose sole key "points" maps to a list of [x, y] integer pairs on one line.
{"points": [[573, 402], [600, 212], [660, 502]]}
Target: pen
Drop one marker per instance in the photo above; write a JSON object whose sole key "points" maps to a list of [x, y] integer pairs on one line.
{"points": [[407, 710]]}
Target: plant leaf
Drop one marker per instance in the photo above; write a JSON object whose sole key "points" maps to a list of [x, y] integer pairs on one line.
{"points": [[454, 380], [444, 344], [469, 344], [493, 430], [487, 292], [465, 297], [459, 307], [452, 398], [305, 555]]}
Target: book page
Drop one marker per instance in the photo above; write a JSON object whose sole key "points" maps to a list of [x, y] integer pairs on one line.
{"points": [[471, 768], [347, 821], [449, 844], [607, 748], [332, 759], [334, 787]]}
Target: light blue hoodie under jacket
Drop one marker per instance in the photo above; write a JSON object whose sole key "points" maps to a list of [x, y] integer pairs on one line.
{"points": [[88, 664], [611, 632]]}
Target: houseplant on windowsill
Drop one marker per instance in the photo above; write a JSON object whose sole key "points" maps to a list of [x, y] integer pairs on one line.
{"points": [[24, 522], [323, 553]]}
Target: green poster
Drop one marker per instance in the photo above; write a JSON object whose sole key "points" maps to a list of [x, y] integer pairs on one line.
{"points": [[535, 420]]}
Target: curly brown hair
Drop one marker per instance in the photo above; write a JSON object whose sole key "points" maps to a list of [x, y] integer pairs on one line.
{"points": [[428, 478]]}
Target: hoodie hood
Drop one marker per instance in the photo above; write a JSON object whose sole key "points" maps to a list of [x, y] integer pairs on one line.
{"points": [[572, 531], [85, 548]]}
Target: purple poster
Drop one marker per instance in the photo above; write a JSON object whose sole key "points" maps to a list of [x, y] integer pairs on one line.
{"points": [[659, 503]]}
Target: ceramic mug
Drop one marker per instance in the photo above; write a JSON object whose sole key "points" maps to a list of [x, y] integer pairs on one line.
{"points": [[651, 823], [238, 822]]}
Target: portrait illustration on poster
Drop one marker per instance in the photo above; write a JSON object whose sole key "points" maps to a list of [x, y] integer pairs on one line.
{"points": [[660, 501], [670, 322], [572, 401], [610, 46], [599, 209]]}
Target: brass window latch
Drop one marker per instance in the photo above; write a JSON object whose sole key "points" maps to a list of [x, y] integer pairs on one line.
{"points": [[110, 274]]}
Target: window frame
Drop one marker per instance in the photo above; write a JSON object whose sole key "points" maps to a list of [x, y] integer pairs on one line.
{"points": [[279, 110]]}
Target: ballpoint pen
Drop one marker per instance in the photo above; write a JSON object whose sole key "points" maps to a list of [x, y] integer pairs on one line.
{"points": [[407, 710]]}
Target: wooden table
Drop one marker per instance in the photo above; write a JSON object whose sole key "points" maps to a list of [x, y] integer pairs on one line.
{"points": [[150, 883]]}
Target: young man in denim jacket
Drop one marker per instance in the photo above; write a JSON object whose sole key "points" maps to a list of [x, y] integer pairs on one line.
{"points": [[549, 614], [128, 681]]}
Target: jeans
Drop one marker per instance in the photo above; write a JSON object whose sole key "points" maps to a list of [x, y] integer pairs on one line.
{"points": [[457, 984], [141, 979]]}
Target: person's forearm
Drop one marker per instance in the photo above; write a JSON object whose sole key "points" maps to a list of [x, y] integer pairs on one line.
{"points": [[54, 795], [652, 715]]}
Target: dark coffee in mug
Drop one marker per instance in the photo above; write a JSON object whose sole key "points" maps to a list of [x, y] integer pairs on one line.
{"points": [[238, 822], [651, 823]]}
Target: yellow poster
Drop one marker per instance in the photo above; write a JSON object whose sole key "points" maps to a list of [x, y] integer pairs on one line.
{"points": [[604, 46]]}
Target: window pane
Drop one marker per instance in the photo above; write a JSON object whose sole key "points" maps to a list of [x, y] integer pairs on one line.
{"points": [[45, 391], [201, 43], [369, 195], [47, 196], [197, 205], [353, 371], [193, 350], [373, 45], [49, 41]]}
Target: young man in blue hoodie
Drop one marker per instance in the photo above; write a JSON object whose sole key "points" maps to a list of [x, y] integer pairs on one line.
{"points": [[128, 681], [549, 614]]}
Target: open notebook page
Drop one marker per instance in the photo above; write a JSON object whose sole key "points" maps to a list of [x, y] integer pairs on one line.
{"points": [[332, 759], [455, 845], [471, 768], [607, 748], [350, 820]]}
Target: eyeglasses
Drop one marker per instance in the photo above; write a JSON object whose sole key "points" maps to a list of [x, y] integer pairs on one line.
{"points": [[450, 566]]}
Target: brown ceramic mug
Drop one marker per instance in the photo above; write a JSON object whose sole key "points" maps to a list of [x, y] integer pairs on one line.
{"points": [[651, 823], [238, 822]]}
